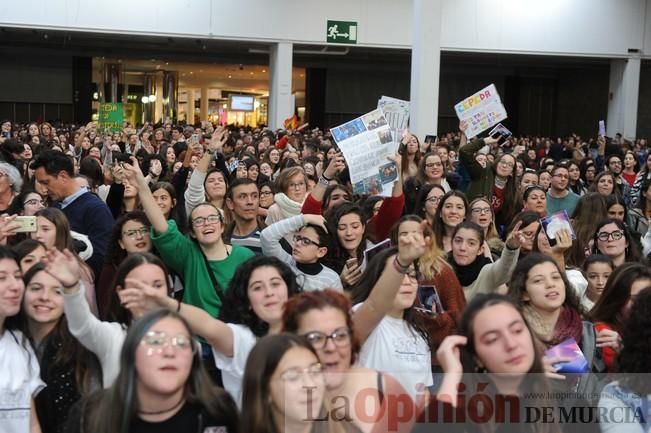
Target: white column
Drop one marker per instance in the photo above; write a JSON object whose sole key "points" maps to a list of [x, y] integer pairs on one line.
{"points": [[189, 113], [425, 67], [280, 84], [623, 97], [203, 104]]}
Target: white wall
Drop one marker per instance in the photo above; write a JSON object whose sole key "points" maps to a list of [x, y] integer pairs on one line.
{"points": [[606, 28]]}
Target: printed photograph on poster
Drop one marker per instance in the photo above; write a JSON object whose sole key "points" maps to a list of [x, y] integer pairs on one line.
{"points": [[385, 136], [348, 130], [374, 120], [388, 173]]}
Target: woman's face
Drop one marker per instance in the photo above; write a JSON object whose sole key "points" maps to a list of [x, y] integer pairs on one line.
{"points": [[611, 247], [636, 288], [519, 169], [453, 211], [265, 169], [266, 197], [135, 237], [46, 232], [545, 289], [466, 246], [148, 274], [158, 135], [529, 234], [33, 130], [432, 201], [597, 275], [11, 288], [481, 214], [350, 232], [170, 156], [32, 258], [544, 180], [164, 201], [605, 185], [94, 152], [163, 359], [267, 292], [505, 166], [537, 202], [297, 386], [207, 233], [412, 145], [481, 159], [194, 161], [253, 172], [215, 186], [274, 156], [629, 161], [46, 130], [43, 301], [309, 169], [130, 189], [409, 288], [331, 153], [296, 188], [590, 174], [241, 171], [335, 359], [26, 155], [32, 204], [433, 167], [616, 211], [574, 172], [503, 343]]}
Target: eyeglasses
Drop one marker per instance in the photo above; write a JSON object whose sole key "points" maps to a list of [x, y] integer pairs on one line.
{"points": [[433, 164], [294, 374], [156, 342], [34, 202], [561, 176], [504, 163], [340, 337], [299, 185], [605, 236], [265, 193], [615, 163], [210, 219], [306, 242], [481, 210], [434, 200], [135, 233]]}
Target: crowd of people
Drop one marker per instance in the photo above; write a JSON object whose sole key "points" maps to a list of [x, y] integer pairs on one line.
{"points": [[225, 279]]}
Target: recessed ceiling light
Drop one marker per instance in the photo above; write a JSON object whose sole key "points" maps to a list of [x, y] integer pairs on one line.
{"points": [[264, 70]]}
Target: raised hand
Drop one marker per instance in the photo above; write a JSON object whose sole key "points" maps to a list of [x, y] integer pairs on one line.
{"points": [[219, 137], [63, 266], [8, 227], [449, 353], [563, 241], [515, 239], [137, 295], [336, 165], [550, 370], [412, 245], [317, 220], [132, 171]]}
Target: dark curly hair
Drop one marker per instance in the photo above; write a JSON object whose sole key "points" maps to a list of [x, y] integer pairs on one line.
{"points": [[114, 252], [518, 283], [636, 340], [236, 307]]}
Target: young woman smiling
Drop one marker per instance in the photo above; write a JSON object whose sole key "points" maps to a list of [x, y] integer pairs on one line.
{"points": [[452, 210]]}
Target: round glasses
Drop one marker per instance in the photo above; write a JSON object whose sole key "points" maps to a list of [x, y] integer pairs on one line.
{"points": [[156, 342], [294, 374], [135, 233], [340, 337], [210, 219], [616, 235]]}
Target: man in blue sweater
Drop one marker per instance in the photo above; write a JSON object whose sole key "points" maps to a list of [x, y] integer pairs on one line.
{"points": [[86, 212]]}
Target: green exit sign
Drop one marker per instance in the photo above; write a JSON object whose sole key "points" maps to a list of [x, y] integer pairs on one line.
{"points": [[341, 32]]}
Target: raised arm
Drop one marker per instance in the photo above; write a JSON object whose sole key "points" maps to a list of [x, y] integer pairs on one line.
{"points": [[380, 301], [336, 165], [134, 175]]}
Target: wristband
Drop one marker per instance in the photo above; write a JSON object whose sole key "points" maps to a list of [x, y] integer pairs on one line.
{"points": [[325, 177], [324, 181], [399, 267]]}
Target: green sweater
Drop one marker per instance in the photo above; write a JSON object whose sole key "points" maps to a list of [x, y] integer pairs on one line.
{"points": [[184, 256], [482, 178]]}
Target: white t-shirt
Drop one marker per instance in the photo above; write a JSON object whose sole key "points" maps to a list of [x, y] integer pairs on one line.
{"points": [[395, 348], [233, 367], [20, 381]]}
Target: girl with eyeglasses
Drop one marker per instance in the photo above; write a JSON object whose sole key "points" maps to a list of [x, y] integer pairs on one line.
{"points": [[431, 171], [612, 239], [283, 389], [161, 386], [253, 307], [428, 201], [613, 306], [20, 381], [69, 369], [481, 213], [325, 319], [27, 203], [496, 181], [204, 262], [311, 243]]}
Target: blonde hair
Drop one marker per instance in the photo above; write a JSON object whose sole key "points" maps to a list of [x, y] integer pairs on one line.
{"points": [[433, 260], [491, 233]]}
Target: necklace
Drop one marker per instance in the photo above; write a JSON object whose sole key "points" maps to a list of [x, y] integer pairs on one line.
{"points": [[160, 412]]}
